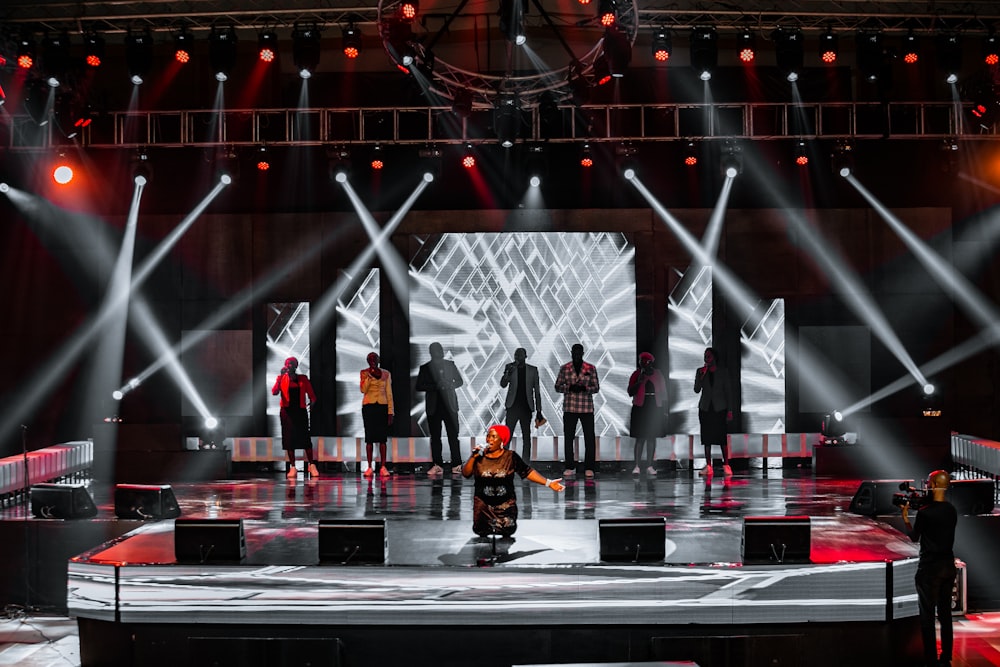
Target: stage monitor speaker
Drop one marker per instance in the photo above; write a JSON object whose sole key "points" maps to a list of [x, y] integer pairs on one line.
{"points": [[349, 541], [972, 496], [874, 496], [209, 541], [145, 502], [775, 539], [632, 540], [62, 501]]}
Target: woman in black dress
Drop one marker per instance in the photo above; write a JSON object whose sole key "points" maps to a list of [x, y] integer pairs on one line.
{"points": [[297, 398], [494, 506]]}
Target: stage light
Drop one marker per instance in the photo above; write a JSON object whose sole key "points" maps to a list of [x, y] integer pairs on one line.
{"points": [[55, 58], [93, 49], [183, 43], [409, 9], [704, 51], [400, 46], [142, 168], [801, 156], [602, 69], [263, 161], [618, 49], [351, 42], [991, 48], [629, 173], [949, 55], [731, 160], [25, 52], [788, 52], [468, 157], [512, 14], [267, 46], [138, 54], [828, 47], [222, 51], [662, 47], [428, 177], [586, 157], [377, 161], [607, 12], [870, 54], [833, 429], [225, 179], [63, 172], [537, 165], [507, 118], [117, 394], [843, 158], [4, 188], [911, 48], [211, 422], [305, 49], [691, 154], [928, 389], [746, 45]]}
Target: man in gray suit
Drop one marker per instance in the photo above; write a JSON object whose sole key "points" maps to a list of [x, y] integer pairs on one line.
{"points": [[523, 398], [439, 377]]}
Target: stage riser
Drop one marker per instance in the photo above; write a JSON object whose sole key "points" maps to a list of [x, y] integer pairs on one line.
{"points": [[817, 645]]}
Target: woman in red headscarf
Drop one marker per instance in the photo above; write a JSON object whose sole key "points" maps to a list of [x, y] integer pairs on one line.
{"points": [[297, 398], [494, 506]]}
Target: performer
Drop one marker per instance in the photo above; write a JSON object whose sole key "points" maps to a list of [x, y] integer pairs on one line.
{"points": [[439, 377], [376, 411], [714, 409], [494, 507], [935, 531], [523, 398], [578, 380], [294, 389], [648, 390]]}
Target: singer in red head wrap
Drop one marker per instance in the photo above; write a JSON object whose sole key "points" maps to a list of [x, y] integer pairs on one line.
{"points": [[494, 506]]}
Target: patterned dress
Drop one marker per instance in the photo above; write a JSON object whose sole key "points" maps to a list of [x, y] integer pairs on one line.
{"points": [[494, 507]]}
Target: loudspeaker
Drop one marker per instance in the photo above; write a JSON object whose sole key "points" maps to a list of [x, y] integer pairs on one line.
{"points": [[775, 539], [62, 501], [874, 496], [972, 496], [345, 541], [209, 541], [141, 501], [632, 540]]}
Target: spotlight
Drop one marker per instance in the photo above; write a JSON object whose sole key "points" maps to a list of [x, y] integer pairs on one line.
{"points": [[428, 177], [351, 42], [828, 47], [409, 9], [430, 162], [468, 157], [339, 160], [911, 48], [340, 177], [788, 52], [833, 429], [263, 161], [629, 173], [25, 51], [377, 161], [949, 53], [225, 179], [183, 43], [928, 389], [662, 47], [211, 422], [843, 158], [537, 166], [267, 46], [746, 45], [691, 154], [399, 43], [222, 51], [4, 188], [704, 51], [138, 55], [586, 158], [512, 20], [63, 171], [117, 394], [731, 161], [602, 69], [55, 57], [801, 156], [991, 48], [93, 49], [870, 54], [142, 168], [618, 49], [305, 49], [607, 12], [507, 118]]}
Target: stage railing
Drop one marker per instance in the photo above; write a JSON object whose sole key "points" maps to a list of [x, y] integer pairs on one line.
{"points": [[44, 465], [977, 454]]}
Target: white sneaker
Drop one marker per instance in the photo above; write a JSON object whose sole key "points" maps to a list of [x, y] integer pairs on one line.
{"points": [[457, 470], [635, 470], [435, 470], [651, 471], [569, 472]]}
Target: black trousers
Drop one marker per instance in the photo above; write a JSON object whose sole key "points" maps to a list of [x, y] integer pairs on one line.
{"points": [[934, 585], [450, 421], [586, 420], [521, 416]]}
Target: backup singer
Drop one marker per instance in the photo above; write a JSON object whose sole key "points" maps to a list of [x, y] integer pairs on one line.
{"points": [[578, 381], [648, 390], [524, 396], [376, 412], [294, 390], [714, 409]]}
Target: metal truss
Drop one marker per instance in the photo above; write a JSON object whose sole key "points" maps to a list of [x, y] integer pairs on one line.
{"points": [[432, 126]]}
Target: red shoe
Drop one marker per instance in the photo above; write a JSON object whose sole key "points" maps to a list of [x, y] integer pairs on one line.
{"points": [[368, 474], [383, 471]]}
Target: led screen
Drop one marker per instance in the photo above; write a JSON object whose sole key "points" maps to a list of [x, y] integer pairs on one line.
{"points": [[357, 335]]}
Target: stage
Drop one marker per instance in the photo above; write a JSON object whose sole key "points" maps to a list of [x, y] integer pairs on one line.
{"points": [[544, 597]]}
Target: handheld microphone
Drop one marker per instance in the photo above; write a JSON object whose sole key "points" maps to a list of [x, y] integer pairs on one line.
{"points": [[481, 450]]}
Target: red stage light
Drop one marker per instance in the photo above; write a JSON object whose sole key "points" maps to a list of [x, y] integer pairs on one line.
{"points": [[607, 19], [408, 10], [468, 162], [377, 164], [992, 58], [801, 160], [690, 160], [910, 58], [263, 165], [584, 2], [747, 55], [587, 162], [267, 54], [979, 110], [661, 55], [93, 61], [351, 52], [24, 61], [829, 57], [182, 56]]}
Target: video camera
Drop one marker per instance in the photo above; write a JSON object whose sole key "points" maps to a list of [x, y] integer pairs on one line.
{"points": [[915, 498]]}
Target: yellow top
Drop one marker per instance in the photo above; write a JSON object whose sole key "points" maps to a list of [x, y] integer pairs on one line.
{"points": [[377, 390]]}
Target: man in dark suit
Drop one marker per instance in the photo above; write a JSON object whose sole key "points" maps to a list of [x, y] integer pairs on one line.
{"points": [[439, 377], [524, 397]]}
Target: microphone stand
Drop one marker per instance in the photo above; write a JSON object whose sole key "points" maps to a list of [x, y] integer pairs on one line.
{"points": [[24, 456], [27, 513]]}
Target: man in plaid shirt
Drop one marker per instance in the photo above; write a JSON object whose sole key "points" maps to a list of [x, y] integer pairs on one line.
{"points": [[578, 381]]}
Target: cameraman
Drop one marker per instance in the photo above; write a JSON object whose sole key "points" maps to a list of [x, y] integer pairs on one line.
{"points": [[935, 530]]}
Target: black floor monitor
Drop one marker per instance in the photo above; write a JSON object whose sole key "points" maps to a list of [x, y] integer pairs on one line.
{"points": [[350, 541], [209, 541], [776, 539], [146, 502], [633, 540], [62, 501]]}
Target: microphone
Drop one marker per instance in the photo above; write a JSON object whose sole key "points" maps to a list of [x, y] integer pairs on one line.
{"points": [[481, 450]]}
